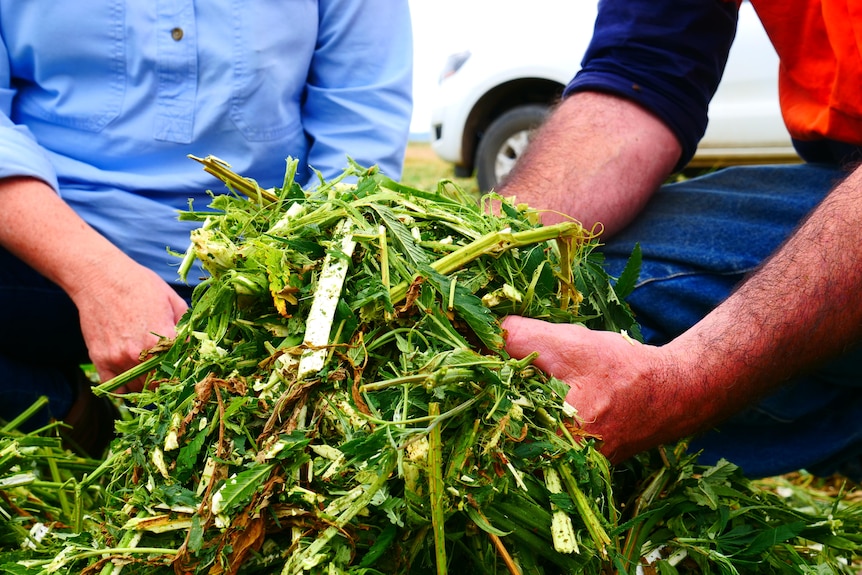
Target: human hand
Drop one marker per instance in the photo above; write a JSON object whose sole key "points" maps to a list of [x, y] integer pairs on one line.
{"points": [[121, 304], [618, 386], [123, 312]]}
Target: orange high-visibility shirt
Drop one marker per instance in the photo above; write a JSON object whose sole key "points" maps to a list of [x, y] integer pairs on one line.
{"points": [[819, 44]]}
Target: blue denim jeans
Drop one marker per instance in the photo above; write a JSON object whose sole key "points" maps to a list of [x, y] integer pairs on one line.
{"points": [[40, 343], [699, 238], [41, 346]]}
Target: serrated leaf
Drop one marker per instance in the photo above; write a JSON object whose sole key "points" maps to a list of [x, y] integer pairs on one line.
{"points": [[625, 284], [563, 502], [238, 490], [469, 308], [380, 546], [771, 537], [402, 237], [188, 455]]}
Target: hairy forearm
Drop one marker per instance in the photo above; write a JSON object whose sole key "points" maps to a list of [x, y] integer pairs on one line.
{"points": [[800, 308], [569, 171]]}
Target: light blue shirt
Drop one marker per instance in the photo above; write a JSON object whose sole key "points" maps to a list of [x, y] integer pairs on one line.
{"points": [[104, 100]]}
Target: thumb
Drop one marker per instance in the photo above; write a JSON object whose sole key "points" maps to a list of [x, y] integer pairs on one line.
{"points": [[519, 333], [555, 343], [179, 307]]}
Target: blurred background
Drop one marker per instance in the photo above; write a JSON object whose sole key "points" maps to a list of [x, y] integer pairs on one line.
{"points": [[443, 27], [507, 61]]}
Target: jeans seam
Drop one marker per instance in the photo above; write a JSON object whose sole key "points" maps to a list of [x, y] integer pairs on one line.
{"points": [[679, 275]]}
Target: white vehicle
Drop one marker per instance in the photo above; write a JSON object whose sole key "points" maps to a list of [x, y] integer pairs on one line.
{"points": [[492, 94]]}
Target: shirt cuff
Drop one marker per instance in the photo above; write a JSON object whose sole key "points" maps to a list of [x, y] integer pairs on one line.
{"points": [[666, 55], [20, 155]]}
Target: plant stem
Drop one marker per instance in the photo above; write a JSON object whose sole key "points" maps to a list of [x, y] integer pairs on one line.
{"points": [[41, 402], [296, 563], [427, 418], [61, 494], [493, 243], [443, 376], [632, 545], [327, 293], [585, 510], [435, 488], [504, 553], [132, 374], [221, 170], [129, 540], [105, 466], [109, 551]]}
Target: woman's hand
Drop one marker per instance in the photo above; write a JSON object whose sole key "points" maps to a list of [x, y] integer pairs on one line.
{"points": [[124, 311]]}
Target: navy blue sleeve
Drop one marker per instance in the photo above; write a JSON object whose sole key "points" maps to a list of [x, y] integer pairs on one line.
{"points": [[666, 55]]}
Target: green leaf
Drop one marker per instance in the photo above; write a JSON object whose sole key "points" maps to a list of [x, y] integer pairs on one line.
{"points": [[196, 534], [563, 502], [469, 308], [17, 569], [238, 491], [380, 546], [771, 537], [188, 456], [484, 524], [628, 278], [402, 237], [364, 447]]}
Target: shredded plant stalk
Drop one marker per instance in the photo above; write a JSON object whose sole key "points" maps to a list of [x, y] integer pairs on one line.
{"points": [[338, 401]]}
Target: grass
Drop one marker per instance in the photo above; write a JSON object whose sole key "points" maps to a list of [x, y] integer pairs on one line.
{"points": [[423, 169]]}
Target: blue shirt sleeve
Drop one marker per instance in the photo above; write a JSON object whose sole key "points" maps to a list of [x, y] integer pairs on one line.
{"points": [[20, 153], [666, 55], [359, 91]]}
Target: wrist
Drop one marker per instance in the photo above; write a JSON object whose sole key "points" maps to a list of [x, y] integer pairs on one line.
{"points": [[708, 380]]}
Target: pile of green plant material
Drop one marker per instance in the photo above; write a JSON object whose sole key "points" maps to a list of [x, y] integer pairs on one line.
{"points": [[338, 400]]}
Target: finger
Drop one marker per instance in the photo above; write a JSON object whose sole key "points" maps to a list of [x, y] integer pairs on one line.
{"points": [[553, 342], [179, 307], [137, 385], [520, 335], [525, 336]]}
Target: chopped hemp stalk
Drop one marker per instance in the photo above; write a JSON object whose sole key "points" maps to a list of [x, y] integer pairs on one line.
{"points": [[338, 401]]}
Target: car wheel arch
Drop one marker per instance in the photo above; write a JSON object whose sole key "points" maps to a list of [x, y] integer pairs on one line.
{"points": [[499, 100], [505, 141]]}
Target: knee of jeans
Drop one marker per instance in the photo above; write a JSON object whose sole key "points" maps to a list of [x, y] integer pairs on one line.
{"points": [[22, 386]]}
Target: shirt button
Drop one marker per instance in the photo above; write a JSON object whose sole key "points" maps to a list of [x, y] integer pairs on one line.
{"points": [[177, 34]]}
